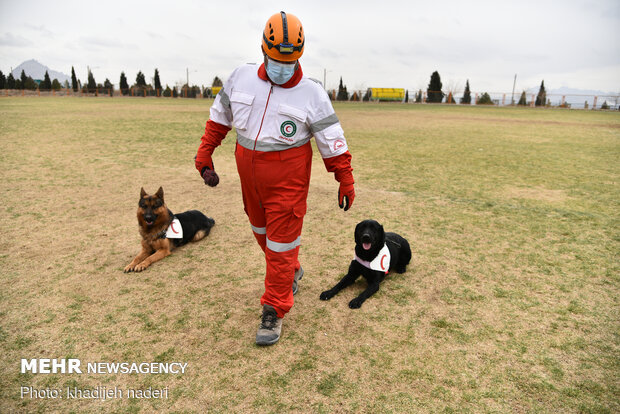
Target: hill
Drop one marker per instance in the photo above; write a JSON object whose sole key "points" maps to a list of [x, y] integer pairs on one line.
{"points": [[37, 70]]}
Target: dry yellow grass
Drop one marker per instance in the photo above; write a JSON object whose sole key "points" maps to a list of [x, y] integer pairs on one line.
{"points": [[510, 303]]}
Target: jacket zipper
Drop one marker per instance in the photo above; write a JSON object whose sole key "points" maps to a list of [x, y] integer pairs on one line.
{"points": [[263, 118]]}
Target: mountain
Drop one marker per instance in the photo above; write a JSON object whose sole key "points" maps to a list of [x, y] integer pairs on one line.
{"points": [[37, 70], [570, 91], [576, 97]]}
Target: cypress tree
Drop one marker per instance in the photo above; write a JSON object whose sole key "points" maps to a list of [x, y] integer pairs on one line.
{"points": [[466, 99], [140, 81], [23, 79], [108, 85], [92, 85], [123, 84], [74, 81], [523, 99], [157, 82], [2, 80], [47, 83], [343, 95], [541, 98], [10, 81], [434, 92], [217, 82]]}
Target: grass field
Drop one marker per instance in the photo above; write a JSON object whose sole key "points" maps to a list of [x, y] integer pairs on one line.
{"points": [[510, 303]]}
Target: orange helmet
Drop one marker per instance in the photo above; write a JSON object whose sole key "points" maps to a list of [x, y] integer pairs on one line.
{"points": [[283, 38]]}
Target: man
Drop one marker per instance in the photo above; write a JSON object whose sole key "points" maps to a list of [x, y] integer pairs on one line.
{"points": [[276, 111]]}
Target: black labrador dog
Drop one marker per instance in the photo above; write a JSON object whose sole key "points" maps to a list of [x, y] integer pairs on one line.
{"points": [[376, 254]]}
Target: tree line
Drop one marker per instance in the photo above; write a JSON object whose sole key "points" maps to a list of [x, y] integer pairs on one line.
{"points": [[435, 94], [434, 91], [26, 82], [139, 88]]}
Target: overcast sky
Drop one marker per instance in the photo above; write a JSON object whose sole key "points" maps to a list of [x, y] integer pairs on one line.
{"points": [[369, 43]]}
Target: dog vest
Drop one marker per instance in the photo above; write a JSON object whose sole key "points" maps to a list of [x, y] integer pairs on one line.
{"points": [[174, 230], [381, 263]]}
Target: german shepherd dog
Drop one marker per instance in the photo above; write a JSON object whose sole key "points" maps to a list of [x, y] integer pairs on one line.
{"points": [[376, 253], [155, 221]]}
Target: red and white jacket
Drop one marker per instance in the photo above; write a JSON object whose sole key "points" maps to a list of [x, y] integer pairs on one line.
{"points": [[269, 117]]}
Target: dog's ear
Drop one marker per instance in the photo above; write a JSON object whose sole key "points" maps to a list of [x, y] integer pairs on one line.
{"points": [[358, 230], [142, 192], [160, 193], [382, 232]]}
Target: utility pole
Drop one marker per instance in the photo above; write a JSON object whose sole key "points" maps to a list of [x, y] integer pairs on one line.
{"points": [[325, 78], [513, 89]]}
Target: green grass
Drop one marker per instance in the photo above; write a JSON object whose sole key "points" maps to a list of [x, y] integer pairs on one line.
{"points": [[510, 303]]}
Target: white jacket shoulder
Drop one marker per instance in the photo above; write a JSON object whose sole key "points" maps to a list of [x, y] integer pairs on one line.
{"points": [[244, 70]]}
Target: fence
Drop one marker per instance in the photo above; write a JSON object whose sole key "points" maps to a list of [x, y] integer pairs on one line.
{"points": [[575, 101], [109, 92]]}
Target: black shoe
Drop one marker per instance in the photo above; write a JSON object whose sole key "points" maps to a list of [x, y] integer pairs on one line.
{"points": [[270, 327], [298, 275]]}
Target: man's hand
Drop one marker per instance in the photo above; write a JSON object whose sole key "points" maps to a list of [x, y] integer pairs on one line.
{"points": [[210, 177], [346, 195]]}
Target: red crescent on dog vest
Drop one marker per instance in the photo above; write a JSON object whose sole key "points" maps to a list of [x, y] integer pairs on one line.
{"points": [[175, 230], [380, 263]]}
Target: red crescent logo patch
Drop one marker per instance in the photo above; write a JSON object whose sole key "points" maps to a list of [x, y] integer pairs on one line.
{"points": [[176, 232], [338, 144], [382, 265]]}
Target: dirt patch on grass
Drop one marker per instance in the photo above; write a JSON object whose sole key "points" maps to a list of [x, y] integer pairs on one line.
{"points": [[536, 193]]}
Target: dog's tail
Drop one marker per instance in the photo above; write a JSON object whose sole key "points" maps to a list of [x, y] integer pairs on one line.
{"points": [[205, 228]]}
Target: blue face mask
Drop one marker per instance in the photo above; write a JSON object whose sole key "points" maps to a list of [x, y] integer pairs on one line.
{"points": [[279, 73]]}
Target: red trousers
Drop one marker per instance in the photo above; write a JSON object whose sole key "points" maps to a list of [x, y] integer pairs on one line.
{"points": [[275, 187]]}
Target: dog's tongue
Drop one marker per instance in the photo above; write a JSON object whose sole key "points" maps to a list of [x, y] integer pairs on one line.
{"points": [[366, 246]]}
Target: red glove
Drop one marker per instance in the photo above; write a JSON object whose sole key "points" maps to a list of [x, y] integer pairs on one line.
{"points": [[211, 178], [214, 134], [341, 166], [346, 195]]}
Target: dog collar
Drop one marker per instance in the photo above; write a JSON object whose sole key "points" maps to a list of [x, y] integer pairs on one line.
{"points": [[380, 263], [174, 230]]}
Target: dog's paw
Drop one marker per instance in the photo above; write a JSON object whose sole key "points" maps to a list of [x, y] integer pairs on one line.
{"points": [[327, 295], [140, 267], [356, 303], [128, 268]]}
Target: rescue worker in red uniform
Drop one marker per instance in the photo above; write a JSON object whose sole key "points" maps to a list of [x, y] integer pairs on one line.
{"points": [[275, 111]]}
